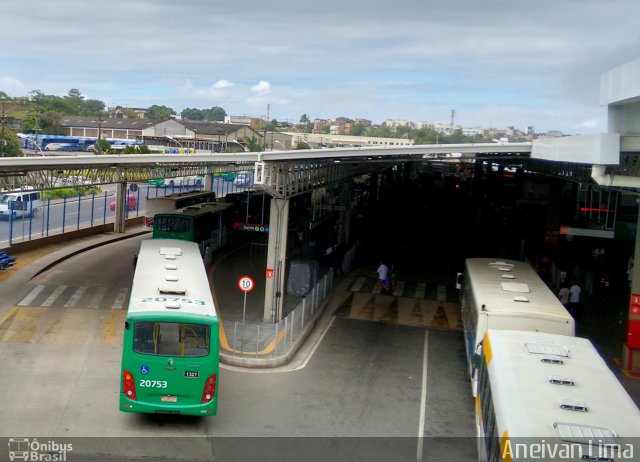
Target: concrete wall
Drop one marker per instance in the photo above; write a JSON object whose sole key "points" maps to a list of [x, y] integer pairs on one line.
{"points": [[68, 236]]}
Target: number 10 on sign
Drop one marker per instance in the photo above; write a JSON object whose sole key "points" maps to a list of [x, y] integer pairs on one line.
{"points": [[245, 283]]}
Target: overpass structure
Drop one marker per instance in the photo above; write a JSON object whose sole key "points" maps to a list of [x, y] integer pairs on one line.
{"points": [[611, 160]]}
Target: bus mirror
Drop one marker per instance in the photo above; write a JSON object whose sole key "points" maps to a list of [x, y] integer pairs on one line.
{"points": [[459, 281], [126, 325], [476, 360]]}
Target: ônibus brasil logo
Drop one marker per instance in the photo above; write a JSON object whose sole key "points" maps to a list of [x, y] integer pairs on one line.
{"points": [[34, 450]]}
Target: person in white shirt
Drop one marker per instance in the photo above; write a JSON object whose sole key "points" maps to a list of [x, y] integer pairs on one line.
{"points": [[383, 277]]}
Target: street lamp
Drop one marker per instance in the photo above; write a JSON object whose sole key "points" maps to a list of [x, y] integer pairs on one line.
{"points": [[195, 139]]}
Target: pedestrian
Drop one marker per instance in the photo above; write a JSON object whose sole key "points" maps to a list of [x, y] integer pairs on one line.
{"points": [[575, 292], [383, 277], [563, 295]]}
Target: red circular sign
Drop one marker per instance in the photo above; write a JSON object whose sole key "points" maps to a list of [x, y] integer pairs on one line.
{"points": [[245, 283]]}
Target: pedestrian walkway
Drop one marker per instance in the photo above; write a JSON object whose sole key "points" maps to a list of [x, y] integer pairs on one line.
{"points": [[408, 289], [407, 311], [68, 296]]}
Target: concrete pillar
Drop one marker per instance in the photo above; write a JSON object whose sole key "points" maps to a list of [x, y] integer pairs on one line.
{"points": [[276, 260], [208, 181], [121, 204], [631, 348]]}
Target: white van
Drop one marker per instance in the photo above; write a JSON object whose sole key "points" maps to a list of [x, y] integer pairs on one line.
{"points": [[21, 203]]}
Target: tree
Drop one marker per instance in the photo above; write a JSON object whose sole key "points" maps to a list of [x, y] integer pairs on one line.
{"points": [[254, 145], [216, 114], [357, 130], [192, 114], [103, 147], [160, 112], [9, 144], [302, 145]]}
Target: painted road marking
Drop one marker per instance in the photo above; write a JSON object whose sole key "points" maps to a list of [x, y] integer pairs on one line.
{"points": [[97, 298], [75, 298], [441, 294], [52, 298], [120, 298], [32, 295]]}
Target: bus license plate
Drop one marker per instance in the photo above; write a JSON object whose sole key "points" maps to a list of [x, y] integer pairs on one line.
{"points": [[191, 374], [168, 399]]}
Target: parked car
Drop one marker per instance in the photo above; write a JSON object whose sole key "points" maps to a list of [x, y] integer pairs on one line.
{"points": [[132, 203]]}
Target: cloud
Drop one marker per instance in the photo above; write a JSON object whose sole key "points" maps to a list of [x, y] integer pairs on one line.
{"points": [[262, 87], [222, 84], [507, 63]]}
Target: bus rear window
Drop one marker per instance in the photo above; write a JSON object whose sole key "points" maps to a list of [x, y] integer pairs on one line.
{"points": [[171, 338], [171, 224]]}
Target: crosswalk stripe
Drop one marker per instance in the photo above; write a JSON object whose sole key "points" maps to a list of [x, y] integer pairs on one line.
{"points": [[75, 298], [398, 291], [54, 295], [421, 288], [441, 294], [357, 285], [97, 298], [32, 295], [120, 298]]}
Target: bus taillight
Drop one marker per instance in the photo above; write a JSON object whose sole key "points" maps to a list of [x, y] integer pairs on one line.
{"points": [[209, 389], [129, 386]]}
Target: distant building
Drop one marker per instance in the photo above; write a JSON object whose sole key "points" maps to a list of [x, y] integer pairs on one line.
{"points": [[394, 123], [169, 131], [473, 131], [318, 140], [244, 120]]}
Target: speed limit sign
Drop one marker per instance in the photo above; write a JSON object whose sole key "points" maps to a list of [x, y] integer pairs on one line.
{"points": [[245, 283]]}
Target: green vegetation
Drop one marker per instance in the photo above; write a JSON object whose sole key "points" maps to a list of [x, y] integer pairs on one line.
{"points": [[9, 144], [215, 114], [69, 192]]}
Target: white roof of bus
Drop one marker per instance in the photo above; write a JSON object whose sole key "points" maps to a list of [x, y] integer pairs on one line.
{"points": [[165, 269], [528, 404], [497, 283]]}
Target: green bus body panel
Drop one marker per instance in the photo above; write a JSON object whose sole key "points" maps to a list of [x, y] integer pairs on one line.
{"points": [[186, 236], [158, 376]]}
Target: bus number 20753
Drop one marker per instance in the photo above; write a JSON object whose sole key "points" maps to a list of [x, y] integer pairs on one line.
{"points": [[153, 383]]}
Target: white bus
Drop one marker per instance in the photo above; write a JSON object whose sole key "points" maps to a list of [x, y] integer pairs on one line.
{"points": [[551, 397], [506, 294]]}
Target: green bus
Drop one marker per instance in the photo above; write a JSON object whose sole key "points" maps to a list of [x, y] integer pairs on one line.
{"points": [[209, 224], [170, 356]]}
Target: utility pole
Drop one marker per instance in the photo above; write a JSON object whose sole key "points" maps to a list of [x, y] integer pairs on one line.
{"points": [[264, 132], [453, 116]]}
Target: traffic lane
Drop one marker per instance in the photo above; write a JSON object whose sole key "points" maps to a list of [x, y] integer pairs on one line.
{"points": [[363, 380], [109, 265], [450, 420]]}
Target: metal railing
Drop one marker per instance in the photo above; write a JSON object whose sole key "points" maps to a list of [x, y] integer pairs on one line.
{"points": [[52, 216], [269, 340]]}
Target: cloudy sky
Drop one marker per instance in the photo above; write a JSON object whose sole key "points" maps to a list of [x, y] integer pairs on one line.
{"points": [[495, 62]]}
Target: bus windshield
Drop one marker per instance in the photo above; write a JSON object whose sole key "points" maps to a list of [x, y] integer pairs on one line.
{"points": [[171, 338], [6, 198]]}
